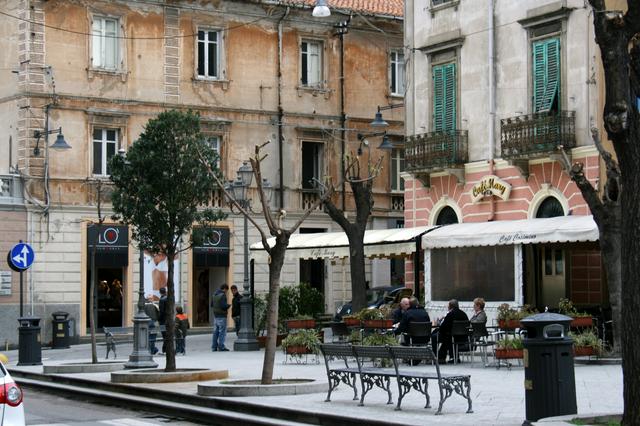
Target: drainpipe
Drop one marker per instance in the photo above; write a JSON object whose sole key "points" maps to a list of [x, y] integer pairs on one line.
{"points": [[342, 30], [492, 100], [280, 114]]}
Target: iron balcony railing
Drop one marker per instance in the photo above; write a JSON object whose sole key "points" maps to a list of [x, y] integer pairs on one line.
{"points": [[436, 150], [535, 135]]}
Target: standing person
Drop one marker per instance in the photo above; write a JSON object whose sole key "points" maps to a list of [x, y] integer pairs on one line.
{"points": [[152, 312], [182, 326], [220, 308], [443, 334], [235, 307], [162, 317], [479, 315]]}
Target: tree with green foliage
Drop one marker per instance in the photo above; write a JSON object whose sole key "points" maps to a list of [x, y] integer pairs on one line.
{"points": [[160, 189]]}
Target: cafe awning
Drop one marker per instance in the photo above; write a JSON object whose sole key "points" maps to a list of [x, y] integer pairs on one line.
{"points": [[562, 229], [335, 245]]}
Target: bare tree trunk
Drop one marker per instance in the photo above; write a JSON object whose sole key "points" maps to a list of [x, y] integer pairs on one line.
{"points": [[170, 317], [610, 244], [276, 262]]}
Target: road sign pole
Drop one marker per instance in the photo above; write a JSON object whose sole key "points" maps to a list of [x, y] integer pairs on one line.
{"points": [[21, 295]]}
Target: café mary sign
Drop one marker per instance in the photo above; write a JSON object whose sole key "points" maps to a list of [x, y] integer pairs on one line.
{"points": [[490, 185]]}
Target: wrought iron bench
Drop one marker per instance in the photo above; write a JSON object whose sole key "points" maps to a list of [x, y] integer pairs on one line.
{"points": [[377, 365]]}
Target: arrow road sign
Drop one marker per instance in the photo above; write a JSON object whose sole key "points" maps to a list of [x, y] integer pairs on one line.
{"points": [[21, 256]]}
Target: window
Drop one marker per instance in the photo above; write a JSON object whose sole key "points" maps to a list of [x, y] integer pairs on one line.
{"points": [[439, 2], [546, 75], [311, 63], [447, 216], [105, 142], [105, 43], [397, 167], [215, 143], [209, 53], [396, 73], [444, 97], [312, 164]]}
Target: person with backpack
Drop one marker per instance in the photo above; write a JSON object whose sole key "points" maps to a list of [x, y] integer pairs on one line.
{"points": [[220, 307], [182, 326]]}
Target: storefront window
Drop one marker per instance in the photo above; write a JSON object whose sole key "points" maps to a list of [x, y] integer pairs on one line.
{"points": [[465, 273]]}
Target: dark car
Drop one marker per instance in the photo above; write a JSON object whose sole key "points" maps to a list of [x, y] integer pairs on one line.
{"points": [[376, 297]]}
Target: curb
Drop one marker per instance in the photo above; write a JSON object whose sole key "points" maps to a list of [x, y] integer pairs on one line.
{"points": [[101, 367], [230, 389]]}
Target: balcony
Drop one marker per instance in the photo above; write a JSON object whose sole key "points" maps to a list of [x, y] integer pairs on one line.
{"points": [[435, 151], [537, 135], [10, 189]]}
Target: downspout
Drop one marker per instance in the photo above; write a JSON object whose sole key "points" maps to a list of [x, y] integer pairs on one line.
{"points": [[342, 28], [280, 115], [492, 101]]}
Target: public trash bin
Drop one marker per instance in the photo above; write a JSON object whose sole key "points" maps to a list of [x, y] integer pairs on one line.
{"points": [[29, 350], [549, 377], [60, 331]]}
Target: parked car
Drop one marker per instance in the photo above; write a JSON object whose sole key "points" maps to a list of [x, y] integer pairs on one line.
{"points": [[376, 297], [11, 407]]}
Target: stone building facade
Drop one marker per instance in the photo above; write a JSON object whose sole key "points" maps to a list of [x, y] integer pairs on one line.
{"points": [[97, 71]]}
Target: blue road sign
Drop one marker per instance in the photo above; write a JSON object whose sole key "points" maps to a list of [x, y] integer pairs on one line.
{"points": [[22, 256]]}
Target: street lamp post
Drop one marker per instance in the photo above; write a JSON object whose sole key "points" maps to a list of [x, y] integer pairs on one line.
{"points": [[246, 340]]}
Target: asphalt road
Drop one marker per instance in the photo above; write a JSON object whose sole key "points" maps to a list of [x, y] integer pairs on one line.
{"points": [[45, 409]]}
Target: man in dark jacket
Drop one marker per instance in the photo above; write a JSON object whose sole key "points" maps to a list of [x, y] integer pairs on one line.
{"points": [[235, 307], [162, 317], [415, 313], [220, 308], [443, 334], [152, 312]]}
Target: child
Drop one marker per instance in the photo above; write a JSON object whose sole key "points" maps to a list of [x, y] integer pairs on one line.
{"points": [[182, 325]]}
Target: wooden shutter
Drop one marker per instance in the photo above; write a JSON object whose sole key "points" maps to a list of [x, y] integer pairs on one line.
{"points": [[444, 97], [546, 74]]}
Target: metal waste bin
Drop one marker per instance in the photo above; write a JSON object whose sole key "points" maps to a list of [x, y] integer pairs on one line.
{"points": [[29, 349], [549, 377], [60, 330]]}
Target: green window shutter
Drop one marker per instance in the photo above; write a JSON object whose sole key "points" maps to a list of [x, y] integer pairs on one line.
{"points": [[444, 97], [546, 74]]}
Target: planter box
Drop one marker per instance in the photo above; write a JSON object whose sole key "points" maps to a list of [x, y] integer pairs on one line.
{"points": [[584, 351], [509, 353], [385, 323], [352, 322], [509, 325], [262, 340], [297, 324], [297, 350], [582, 322]]}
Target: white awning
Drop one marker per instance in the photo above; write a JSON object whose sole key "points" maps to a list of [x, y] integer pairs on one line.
{"points": [[562, 229], [335, 245]]}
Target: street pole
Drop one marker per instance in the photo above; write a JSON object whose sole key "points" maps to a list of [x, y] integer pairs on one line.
{"points": [[141, 356], [246, 340]]}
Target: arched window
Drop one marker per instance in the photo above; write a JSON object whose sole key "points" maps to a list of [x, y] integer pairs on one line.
{"points": [[550, 207], [447, 216]]}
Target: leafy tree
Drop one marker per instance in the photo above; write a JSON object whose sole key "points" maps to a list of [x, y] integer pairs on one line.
{"points": [[160, 188]]}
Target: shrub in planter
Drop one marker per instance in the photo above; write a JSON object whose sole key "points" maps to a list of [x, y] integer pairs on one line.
{"points": [[300, 321], [370, 314], [509, 347], [580, 319], [377, 339], [302, 342], [508, 317], [586, 343], [351, 320]]}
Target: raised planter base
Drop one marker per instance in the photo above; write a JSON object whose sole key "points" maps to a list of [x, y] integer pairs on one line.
{"points": [[158, 375], [254, 388], [84, 367]]}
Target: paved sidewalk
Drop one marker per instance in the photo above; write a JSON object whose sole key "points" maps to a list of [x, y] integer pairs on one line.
{"points": [[498, 395]]}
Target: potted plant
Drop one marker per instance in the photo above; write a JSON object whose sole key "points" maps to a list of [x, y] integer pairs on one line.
{"points": [[374, 318], [509, 348], [300, 322], [508, 317], [301, 342], [260, 319], [580, 319], [380, 339], [351, 320], [586, 343]]}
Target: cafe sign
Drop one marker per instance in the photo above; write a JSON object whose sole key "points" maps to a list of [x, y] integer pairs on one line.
{"points": [[490, 185]]}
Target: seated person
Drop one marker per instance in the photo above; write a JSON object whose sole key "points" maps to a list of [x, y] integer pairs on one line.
{"points": [[398, 312], [443, 334], [478, 311], [415, 313]]}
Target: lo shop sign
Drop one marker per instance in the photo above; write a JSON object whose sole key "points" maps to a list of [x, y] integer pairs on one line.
{"points": [[490, 185]]}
